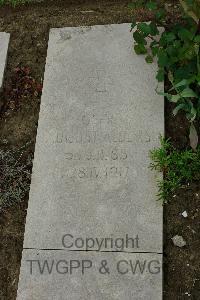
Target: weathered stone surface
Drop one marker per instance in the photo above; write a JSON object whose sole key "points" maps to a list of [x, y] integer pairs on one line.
{"points": [[100, 116], [88, 281], [4, 41]]}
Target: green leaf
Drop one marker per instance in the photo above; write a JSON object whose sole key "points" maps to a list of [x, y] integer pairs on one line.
{"points": [[197, 39], [144, 28], [160, 75], [163, 41], [190, 52], [177, 44], [155, 50], [178, 107], [170, 37], [175, 98], [168, 96], [185, 34], [197, 78], [188, 93], [185, 71], [193, 114], [133, 24], [140, 49], [183, 82], [139, 38], [149, 59], [160, 14], [172, 52], [162, 58], [151, 5], [154, 29]]}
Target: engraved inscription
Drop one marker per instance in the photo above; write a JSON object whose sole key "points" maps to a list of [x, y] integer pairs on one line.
{"points": [[97, 172], [98, 137], [101, 130], [98, 155], [83, 136], [102, 142]]}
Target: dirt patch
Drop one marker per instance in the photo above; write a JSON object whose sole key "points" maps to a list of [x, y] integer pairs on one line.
{"points": [[181, 265], [29, 26], [11, 244]]}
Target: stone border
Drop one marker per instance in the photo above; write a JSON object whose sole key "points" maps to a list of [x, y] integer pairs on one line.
{"points": [[4, 43]]}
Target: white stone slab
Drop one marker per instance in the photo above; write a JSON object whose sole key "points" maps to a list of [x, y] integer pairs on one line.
{"points": [[100, 116], [78, 276], [99, 98], [4, 41]]}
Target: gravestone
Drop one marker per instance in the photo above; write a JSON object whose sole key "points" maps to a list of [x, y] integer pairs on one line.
{"points": [[94, 227], [4, 41]]}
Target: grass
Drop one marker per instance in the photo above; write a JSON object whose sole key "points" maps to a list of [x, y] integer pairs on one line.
{"points": [[15, 176], [178, 166], [13, 2]]}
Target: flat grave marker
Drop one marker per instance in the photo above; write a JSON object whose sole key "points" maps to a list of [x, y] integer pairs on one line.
{"points": [[93, 197]]}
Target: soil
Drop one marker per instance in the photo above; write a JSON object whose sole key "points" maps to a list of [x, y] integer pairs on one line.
{"points": [[29, 26]]}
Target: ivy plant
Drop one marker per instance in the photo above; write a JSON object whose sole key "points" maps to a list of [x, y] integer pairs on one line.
{"points": [[177, 50]]}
